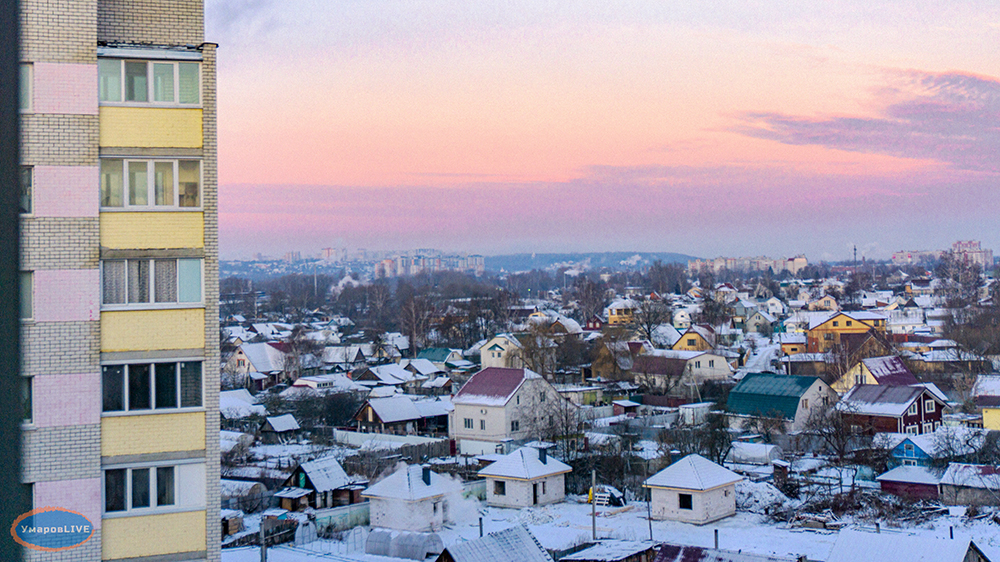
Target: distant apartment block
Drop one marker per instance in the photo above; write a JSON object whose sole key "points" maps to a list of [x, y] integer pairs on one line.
{"points": [[120, 370], [969, 251], [792, 265], [910, 257], [402, 266]]}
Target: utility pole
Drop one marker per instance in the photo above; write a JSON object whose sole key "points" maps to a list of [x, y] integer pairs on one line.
{"points": [[593, 505]]}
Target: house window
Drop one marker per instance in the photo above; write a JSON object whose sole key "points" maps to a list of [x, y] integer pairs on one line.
{"points": [[468, 423], [836, 323], [515, 425], [711, 363], [151, 281], [928, 427], [912, 411], [928, 405], [27, 295], [149, 82], [850, 323], [912, 430], [160, 184], [26, 181], [909, 462], [684, 501], [805, 403], [151, 386], [691, 341], [482, 425], [24, 99], [543, 487], [828, 337], [541, 397], [908, 449], [128, 489], [499, 488], [697, 364]]}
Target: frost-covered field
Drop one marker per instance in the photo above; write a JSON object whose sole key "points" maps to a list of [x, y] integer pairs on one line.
{"points": [[567, 524]]}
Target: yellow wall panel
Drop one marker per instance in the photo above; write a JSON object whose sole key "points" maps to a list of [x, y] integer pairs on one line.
{"points": [[991, 418], [152, 433], [150, 330], [151, 127], [151, 535], [154, 230]]}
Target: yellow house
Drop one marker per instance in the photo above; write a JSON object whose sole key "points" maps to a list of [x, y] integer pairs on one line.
{"points": [[792, 343], [696, 338], [621, 312], [824, 335], [991, 418], [886, 371], [986, 393], [826, 302]]}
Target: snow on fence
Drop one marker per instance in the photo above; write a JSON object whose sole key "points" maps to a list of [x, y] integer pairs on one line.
{"points": [[342, 518]]}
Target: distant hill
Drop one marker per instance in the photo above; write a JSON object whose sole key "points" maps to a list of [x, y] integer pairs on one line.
{"points": [[616, 260]]}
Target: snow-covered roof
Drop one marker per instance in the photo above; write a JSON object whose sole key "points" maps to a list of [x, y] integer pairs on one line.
{"points": [[986, 385], [407, 484], [235, 488], [264, 357], [493, 386], [686, 553], [239, 394], [393, 374], [233, 408], [292, 493], [889, 370], [912, 475], [981, 476], [877, 400], [611, 551], [524, 464], [394, 409], [693, 472], [513, 543], [421, 366], [283, 423], [896, 547], [337, 382], [626, 403], [325, 474]]}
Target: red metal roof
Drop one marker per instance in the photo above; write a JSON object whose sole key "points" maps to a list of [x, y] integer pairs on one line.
{"points": [[492, 382]]}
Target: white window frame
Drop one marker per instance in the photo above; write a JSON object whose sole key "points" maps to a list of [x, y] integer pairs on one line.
{"points": [[929, 406], [151, 303], [469, 423], [912, 410], [149, 84], [127, 411], [129, 511], [151, 186]]}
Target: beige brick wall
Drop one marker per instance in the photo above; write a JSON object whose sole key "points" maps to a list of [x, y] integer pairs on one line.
{"points": [[61, 453], [55, 348], [160, 22], [91, 550], [59, 31], [59, 140], [59, 243]]}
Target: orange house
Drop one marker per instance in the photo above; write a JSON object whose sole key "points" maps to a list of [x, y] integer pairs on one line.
{"points": [[824, 335]]}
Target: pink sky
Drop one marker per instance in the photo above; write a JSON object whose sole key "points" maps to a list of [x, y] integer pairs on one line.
{"points": [[705, 128]]}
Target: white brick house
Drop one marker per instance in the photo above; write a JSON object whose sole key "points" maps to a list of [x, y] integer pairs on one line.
{"points": [[526, 477], [693, 490]]}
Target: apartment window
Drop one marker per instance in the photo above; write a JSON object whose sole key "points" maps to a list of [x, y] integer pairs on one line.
{"points": [[26, 181], [151, 386], [27, 295], [928, 406], [149, 82], [912, 410], [515, 425], [684, 501], [151, 281], [161, 184], [25, 91], [26, 406], [482, 425], [499, 488], [468, 423], [127, 489]]}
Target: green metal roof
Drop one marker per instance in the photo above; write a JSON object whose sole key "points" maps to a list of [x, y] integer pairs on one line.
{"points": [[766, 394], [434, 354]]}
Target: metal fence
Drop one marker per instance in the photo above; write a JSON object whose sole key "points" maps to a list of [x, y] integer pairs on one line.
{"points": [[329, 521]]}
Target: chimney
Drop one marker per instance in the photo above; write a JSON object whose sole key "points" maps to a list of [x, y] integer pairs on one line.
{"points": [[543, 455], [427, 474]]}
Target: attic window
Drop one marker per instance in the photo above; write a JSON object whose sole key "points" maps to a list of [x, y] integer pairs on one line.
{"points": [[850, 323], [928, 405]]}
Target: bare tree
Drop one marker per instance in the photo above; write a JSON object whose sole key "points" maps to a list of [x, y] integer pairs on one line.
{"points": [[837, 430], [537, 350], [415, 317], [650, 314]]}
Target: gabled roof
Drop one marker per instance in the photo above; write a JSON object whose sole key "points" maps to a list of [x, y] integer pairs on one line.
{"points": [[981, 476], [524, 464], [612, 550], [889, 371], [876, 400], [513, 543], [659, 365], [693, 472], [264, 357], [394, 409], [420, 366], [897, 547], [438, 354], [493, 386], [912, 475], [762, 394], [283, 423], [407, 484], [325, 474]]}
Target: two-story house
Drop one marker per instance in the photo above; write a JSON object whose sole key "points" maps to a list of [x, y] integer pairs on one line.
{"points": [[914, 409], [825, 334]]}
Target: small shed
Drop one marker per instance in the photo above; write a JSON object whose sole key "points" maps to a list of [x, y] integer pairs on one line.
{"points": [[293, 498], [328, 484], [694, 414], [915, 482], [514, 543], [232, 521], [242, 495], [414, 498], [525, 477], [619, 407], [693, 490], [279, 429], [970, 484]]}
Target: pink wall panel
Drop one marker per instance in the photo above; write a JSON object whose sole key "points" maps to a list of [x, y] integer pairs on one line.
{"points": [[59, 400], [67, 295], [65, 88], [81, 496], [66, 191]]}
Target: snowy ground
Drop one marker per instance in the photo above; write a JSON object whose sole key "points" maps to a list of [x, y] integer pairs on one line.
{"points": [[564, 525]]}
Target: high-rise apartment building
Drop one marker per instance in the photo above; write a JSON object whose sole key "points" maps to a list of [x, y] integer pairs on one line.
{"points": [[120, 274]]}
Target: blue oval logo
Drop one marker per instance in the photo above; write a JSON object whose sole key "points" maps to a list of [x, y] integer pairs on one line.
{"points": [[51, 529]]}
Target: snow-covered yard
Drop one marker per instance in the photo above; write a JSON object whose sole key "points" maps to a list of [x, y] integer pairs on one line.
{"points": [[564, 525]]}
